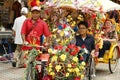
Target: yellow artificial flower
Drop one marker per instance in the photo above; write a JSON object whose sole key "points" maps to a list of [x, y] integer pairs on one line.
{"points": [[50, 50], [78, 73], [63, 57], [57, 67], [40, 52], [54, 36], [54, 51], [26, 52], [52, 74], [76, 70], [69, 65], [54, 58], [67, 74], [62, 33], [69, 69], [75, 59], [58, 40], [82, 76], [50, 65], [83, 63], [50, 69]]}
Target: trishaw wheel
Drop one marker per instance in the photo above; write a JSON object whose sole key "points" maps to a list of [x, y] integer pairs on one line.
{"points": [[114, 60], [90, 69], [29, 73]]}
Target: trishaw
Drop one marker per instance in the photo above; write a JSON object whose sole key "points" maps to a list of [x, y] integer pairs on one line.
{"points": [[64, 18], [111, 57]]}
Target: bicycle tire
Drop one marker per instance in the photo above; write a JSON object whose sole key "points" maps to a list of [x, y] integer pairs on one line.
{"points": [[29, 74], [113, 62], [92, 69]]}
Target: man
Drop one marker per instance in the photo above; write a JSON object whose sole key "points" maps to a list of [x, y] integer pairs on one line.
{"points": [[83, 40], [33, 28], [18, 39]]}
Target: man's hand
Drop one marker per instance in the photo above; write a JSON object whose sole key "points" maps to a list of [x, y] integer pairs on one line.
{"points": [[25, 43]]}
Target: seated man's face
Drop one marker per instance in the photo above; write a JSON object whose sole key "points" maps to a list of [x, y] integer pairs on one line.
{"points": [[82, 29]]}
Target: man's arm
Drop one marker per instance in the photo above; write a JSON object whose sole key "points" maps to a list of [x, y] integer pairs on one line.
{"points": [[23, 38]]}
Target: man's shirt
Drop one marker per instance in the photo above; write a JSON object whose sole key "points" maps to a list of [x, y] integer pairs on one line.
{"points": [[34, 31], [88, 42], [17, 28]]}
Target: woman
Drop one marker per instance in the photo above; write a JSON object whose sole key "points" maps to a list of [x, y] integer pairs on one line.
{"points": [[110, 35]]}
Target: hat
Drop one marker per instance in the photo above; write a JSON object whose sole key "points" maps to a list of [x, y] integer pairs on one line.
{"points": [[35, 8], [24, 10]]}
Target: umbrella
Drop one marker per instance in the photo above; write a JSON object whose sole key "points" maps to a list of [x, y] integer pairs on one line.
{"points": [[108, 5], [98, 5], [67, 4]]}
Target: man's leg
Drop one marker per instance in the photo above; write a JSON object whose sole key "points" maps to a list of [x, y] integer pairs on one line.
{"points": [[18, 58], [106, 46]]}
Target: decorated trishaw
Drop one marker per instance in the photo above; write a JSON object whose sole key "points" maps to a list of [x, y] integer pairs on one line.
{"points": [[63, 63]]}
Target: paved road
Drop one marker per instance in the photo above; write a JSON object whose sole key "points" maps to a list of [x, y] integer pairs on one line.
{"points": [[9, 73], [102, 72]]}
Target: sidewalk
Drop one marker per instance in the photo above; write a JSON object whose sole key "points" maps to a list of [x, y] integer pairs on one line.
{"points": [[7, 72]]}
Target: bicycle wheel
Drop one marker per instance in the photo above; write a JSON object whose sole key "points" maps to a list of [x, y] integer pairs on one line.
{"points": [[29, 74], [92, 69], [114, 60]]}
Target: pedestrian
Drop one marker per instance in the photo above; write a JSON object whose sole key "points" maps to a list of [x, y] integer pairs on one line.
{"points": [[84, 40], [18, 39]]}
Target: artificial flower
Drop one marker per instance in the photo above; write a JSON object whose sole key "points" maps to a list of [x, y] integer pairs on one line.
{"points": [[63, 57], [54, 58], [52, 74], [77, 78], [50, 50], [69, 65], [75, 59], [57, 67], [83, 63], [67, 74]]}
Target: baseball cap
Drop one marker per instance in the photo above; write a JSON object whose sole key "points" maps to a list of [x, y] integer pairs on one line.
{"points": [[35, 8], [24, 10]]}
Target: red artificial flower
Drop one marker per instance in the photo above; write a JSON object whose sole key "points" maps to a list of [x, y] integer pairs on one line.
{"points": [[77, 78], [47, 77], [81, 58], [71, 46], [64, 26], [38, 58], [83, 46], [24, 65], [73, 53], [35, 3], [77, 49], [36, 67], [58, 47], [73, 65], [93, 16], [67, 49], [25, 57]]}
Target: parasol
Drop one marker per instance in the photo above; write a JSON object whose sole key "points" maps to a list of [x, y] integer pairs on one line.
{"points": [[98, 5], [67, 4]]}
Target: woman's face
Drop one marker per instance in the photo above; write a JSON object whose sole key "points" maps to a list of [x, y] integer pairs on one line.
{"points": [[82, 29], [108, 24], [35, 14]]}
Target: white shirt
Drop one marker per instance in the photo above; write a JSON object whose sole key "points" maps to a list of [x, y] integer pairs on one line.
{"points": [[17, 28]]}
